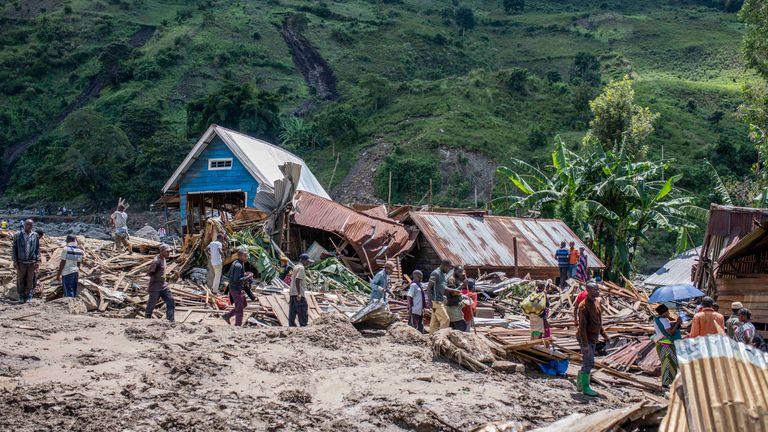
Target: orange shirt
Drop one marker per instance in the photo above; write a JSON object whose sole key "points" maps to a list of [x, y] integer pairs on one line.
{"points": [[573, 257], [706, 322]]}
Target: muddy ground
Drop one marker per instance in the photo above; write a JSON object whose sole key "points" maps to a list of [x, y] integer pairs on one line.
{"points": [[62, 371]]}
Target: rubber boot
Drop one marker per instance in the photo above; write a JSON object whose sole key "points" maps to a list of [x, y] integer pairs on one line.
{"points": [[585, 389]]}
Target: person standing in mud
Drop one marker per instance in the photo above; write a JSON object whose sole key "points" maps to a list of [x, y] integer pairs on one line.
{"points": [[158, 288], [438, 282], [25, 254], [589, 331], [298, 306], [69, 266], [417, 300], [239, 285]]}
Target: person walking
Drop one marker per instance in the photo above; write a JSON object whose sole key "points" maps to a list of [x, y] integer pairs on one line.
{"points": [[563, 263], [380, 283], [582, 268], [298, 307], [158, 288], [733, 321], [69, 266], [589, 331], [707, 321], [438, 281], [666, 332], [120, 224], [746, 331], [25, 253], [469, 310], [239, 285], [417, 301], [214, 252]]}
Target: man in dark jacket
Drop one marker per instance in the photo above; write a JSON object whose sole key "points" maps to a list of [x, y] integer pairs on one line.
{"points": [[26, 260], [589, 331], [239, 285], [157, 287]]}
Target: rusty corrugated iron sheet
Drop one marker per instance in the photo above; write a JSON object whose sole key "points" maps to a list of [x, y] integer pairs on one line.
{"points": [[727, 224], [487, 241], [677, 271], [373, 238], [722, 386]]}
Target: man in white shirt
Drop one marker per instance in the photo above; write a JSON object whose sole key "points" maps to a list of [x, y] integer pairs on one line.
{"points": [[298, 307], [120, 223], [417, 299], [215, 264], [69, 267]]}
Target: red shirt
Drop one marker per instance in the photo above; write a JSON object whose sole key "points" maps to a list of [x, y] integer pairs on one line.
{"points": [[469, 310], [580, 298]]}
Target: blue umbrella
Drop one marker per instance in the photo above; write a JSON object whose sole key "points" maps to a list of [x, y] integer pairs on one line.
{"points": [[671, 293]]}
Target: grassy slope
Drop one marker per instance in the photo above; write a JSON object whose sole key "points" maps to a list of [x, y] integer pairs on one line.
{"points": [[448, 93]]}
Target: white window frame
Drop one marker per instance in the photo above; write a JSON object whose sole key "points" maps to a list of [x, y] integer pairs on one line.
{"points": [[213, 161]]}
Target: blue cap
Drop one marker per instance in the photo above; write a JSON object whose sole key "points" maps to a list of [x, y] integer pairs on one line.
{"points": [[303, 257]]}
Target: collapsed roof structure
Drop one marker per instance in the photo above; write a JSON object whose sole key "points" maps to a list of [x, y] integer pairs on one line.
{"points": [[733, 265]]}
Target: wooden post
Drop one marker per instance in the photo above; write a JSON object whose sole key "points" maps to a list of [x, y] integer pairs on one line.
{"points": [[333, 174], [430, 193], [475, 196], [514, 249], [389, 194]]}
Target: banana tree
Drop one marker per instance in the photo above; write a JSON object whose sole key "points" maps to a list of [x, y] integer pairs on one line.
{"points": [[605, 196]]}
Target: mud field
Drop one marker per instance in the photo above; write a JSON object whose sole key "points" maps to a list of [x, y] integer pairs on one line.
{"points": [[64, 371]]}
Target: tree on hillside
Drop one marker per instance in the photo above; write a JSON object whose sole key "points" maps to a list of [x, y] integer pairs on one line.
{"points": [[88, 156], [513, 6], [619, 122], [241, 107], [754, 110], [296, 133], [465, 18], [586, 68], [606, 197]]}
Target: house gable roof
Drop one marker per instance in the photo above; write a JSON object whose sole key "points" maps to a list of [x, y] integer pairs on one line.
{"points": [[260, 158], [487, 241]]}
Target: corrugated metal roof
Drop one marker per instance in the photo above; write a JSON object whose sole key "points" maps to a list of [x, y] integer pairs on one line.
{"points": [[676, 271], [487, 241], [723, 385], [372, 237], [261, 158], [727, 224]]}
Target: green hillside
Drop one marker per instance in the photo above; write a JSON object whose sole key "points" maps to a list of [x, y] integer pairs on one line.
{"points": [[419, 95]]}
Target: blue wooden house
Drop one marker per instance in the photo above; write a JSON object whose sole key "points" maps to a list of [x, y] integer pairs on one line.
{"points": [[222, 173]]}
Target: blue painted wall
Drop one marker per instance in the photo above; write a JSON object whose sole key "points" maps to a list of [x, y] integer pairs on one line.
{"points": [[199, 178]]}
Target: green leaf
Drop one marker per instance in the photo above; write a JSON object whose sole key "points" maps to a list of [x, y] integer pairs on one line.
{"points": [[516, 180], [667, 188]]}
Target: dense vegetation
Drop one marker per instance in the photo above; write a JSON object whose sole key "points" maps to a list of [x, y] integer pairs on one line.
{"points": [[484, 79]]}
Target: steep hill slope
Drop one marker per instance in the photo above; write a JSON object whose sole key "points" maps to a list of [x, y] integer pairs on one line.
{"points": [[445, 99]]}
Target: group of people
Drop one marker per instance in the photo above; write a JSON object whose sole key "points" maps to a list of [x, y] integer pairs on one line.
{"points": [[572, 263], [449, 294], [706, 321]]}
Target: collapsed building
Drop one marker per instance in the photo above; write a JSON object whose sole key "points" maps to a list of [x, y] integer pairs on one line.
{"points": [[733, 265], [222, 174]]}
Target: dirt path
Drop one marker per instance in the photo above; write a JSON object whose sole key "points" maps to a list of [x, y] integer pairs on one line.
{"points": [[92, 90], [317, 73], [60, 371]]}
